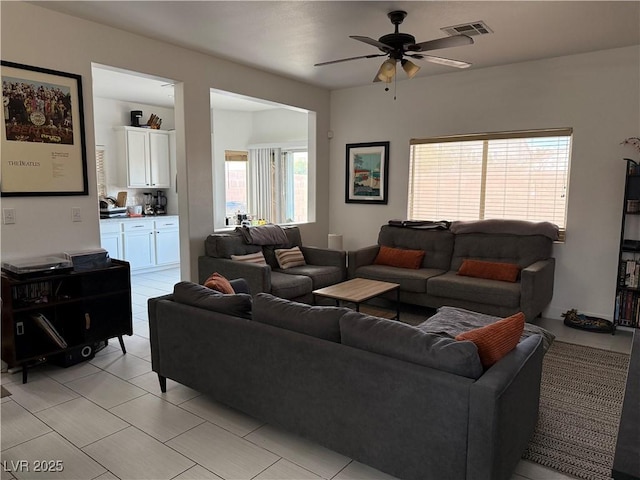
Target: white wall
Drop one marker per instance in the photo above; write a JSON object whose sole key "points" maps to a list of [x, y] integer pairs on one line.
{"points": [[44, 224], [598, 94], [231, 131], [279, 125]]}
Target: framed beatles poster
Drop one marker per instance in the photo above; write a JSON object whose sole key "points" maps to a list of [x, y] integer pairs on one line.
{"points": [[43, 141]]}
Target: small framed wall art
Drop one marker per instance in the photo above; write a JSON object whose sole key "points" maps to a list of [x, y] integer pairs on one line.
{"points": [[43, 139], [367, 174]]}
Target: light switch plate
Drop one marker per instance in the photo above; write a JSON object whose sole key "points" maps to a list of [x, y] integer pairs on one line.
{"points": [[75, 214], [8, 216]]}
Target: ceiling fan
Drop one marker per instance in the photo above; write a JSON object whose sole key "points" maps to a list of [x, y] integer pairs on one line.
{"points": [[398, 45]]}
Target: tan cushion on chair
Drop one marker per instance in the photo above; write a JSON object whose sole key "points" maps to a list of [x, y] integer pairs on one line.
{"points": [[257, 257], [289, 257]]}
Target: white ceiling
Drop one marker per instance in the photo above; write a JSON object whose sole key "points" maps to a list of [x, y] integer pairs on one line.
{"points": [[289, 37]]}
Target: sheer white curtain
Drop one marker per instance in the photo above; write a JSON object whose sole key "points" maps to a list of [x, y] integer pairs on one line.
{"points": [[262, 178]]}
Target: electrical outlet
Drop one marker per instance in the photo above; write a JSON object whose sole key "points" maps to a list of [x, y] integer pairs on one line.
{"points": [[8, 216], [75, 214]]}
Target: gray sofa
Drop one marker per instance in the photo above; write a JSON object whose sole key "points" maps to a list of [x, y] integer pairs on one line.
{"points": [[324, 267], [436, 282], [409, 403]]}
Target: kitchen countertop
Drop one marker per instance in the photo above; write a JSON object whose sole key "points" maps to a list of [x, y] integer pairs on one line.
{"points": [[130, 219]]}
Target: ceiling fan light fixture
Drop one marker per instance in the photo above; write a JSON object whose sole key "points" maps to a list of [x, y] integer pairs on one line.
{"points": [[387, 71], [410, 68]]}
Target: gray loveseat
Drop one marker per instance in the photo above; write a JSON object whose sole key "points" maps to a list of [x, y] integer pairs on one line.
{"points": [[436, 283], [409, 403], [323, 267]]}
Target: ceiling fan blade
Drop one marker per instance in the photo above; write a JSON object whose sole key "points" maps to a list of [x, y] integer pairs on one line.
{"points": [[382, 46], [442, 61], [350, 58], [446, 42]]}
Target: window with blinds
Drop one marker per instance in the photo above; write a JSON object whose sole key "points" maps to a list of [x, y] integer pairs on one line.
{"points": [[511, 175], [101, 176], [235, 179]]}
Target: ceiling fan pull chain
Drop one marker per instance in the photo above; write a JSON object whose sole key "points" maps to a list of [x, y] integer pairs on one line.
{"points": [[395, 85]]}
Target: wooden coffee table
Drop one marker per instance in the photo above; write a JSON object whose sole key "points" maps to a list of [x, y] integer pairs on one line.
{"points": [[359, 290]]}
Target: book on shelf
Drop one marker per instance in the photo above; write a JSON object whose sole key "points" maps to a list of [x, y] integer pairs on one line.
{"points": [[44, 323], [629, 275], [627, 309]]}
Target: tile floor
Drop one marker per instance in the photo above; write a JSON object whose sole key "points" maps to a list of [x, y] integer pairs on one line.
{"points": [[107, 419]]}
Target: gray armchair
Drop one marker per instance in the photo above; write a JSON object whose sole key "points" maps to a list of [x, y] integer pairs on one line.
{"points": [[323, 267]]}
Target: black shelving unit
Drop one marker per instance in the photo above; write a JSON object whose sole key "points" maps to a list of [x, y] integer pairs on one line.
{"points": [[84, 308], [627, 302]]}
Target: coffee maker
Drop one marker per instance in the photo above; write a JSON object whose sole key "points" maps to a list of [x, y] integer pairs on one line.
{"points": [[161, 203]]}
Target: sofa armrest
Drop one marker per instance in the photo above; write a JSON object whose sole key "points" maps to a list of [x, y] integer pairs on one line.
{"points": [[536, 287], [258, 277], [325, 256], [361, 257], [152, 305], [503, 411]]}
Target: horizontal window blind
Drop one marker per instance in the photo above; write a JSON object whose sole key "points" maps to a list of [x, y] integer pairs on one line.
{"points": [[510, 175], [101, 176]]}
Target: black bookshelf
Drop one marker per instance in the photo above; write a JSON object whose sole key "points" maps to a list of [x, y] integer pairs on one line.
{"points": [[627, 301], [50, 315]]}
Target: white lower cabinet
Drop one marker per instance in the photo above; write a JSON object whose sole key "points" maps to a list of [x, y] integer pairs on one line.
{"points": [[167, 242], [139, 244], [145, 243], [111, 239]]}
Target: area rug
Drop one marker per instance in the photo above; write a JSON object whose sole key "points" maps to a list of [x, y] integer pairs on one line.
{"points": [[581, 399]]}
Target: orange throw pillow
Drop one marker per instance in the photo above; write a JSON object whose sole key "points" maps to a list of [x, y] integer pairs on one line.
{"points": [[399, 257], [507, 272], [497, 339], [219, 283]]}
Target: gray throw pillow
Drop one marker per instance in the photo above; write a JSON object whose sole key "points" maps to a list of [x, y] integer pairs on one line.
{"points": [[317, 321], [404, 342], [237, 305]]}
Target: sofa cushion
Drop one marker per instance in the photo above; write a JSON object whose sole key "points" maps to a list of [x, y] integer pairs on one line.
{"points": [[321, 275], [478, 290], [293, 240], [256, 257], [289, 257], [410, 280], [497, 339], [506, 272], [287, 285], [320, 322], [405, 342], [514, 227], [219, 283], [399, 257], [437, 244], [238, 305], [519, 249], [223, 245]]}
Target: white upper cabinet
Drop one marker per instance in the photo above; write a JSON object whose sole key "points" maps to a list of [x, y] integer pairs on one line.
{"points": [[144, 157], [159, 158]]}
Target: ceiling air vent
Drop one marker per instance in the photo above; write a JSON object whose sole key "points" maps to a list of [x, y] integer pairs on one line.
{"points": [[471, 29]]}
